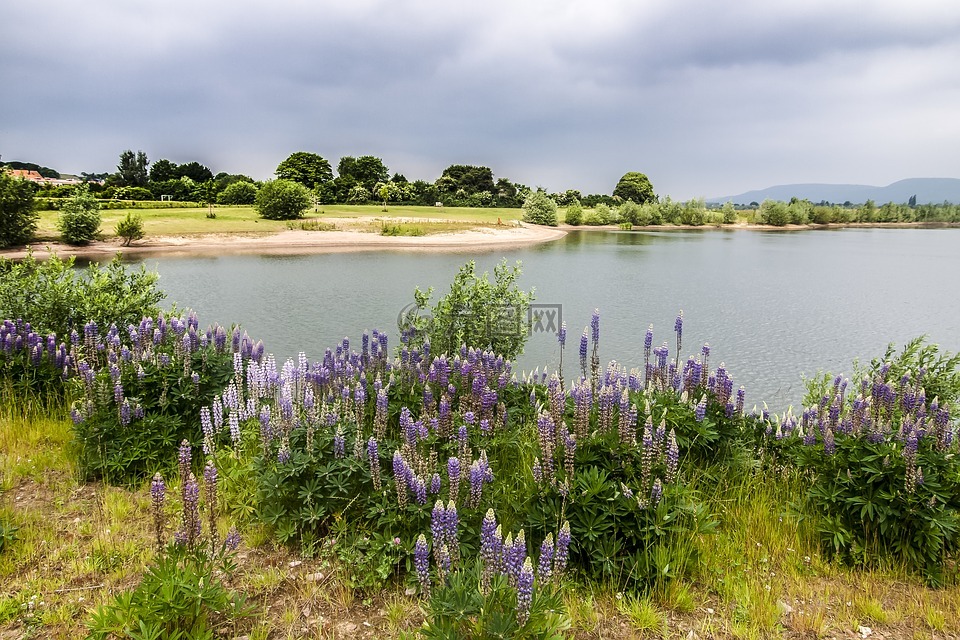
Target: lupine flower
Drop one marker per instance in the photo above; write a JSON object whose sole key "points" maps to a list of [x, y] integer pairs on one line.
{"points": [[545, 564], [490, 549], [700, 411], [513, 555], [400, 472], [443, 565], [451, 524], [672, 456], [656, 492], [584, 342], [158, 494], [232, 541], [524, 591], [184, 459], [438, 527], [453, 473], [210, 495], [373, 457], [421, 563], [190, 528], [562, 550], [419, 488], [562, 335]]}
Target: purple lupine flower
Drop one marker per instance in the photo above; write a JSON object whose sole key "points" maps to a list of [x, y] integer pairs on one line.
{"points": [[476, 483], [453, 473], [537, 471], [232, 541], [595, 326], [184, 458], [741, 395], [234, 421], [125, 413], [283, 455], [451, 524], [436, 484], [373, 457], [545, 564], [563, 549], [584, 342], [158, 496], [524, 591], [656, 492], [678, 327], [491, 549], [438, 527], [700, 411], [513, 554], [419, 489], [562, 335], [421, 562], [190, 529], [400, 474], [672, 456]]}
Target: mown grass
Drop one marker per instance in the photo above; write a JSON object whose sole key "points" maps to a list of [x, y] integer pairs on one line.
{"points": [[760, 576], [245, 220]]}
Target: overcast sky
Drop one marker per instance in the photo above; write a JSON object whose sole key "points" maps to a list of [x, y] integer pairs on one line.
{"points": [[707, 98]]}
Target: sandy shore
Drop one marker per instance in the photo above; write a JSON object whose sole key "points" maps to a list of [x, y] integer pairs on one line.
{"points": [[303, 242]]}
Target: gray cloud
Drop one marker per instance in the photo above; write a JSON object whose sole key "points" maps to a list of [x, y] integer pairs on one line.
{"points": [[707, 98]]}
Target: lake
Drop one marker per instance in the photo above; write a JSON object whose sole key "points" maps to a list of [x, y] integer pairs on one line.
{"points": [[773, 305]]}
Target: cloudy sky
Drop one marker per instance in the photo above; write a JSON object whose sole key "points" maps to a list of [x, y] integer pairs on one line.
{"points": [[708, 98]]}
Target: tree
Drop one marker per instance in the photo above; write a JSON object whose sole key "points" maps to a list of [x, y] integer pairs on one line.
{"points": [[132, 170], [574, 214], [238, 193], [79, 219], [163, 170], [387, 191], [368, 171], [195, 171], [130, 228], [358, 194], [18, 220], [470, 178], [538, 208], [634, 186], [283, 200], [308, 169]]}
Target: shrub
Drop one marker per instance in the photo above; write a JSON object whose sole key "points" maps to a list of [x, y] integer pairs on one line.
{"points": [[729, 213], [282, 200], [629, 212], [79, 220], [883, 457], [58, 298], [18, 219], [141, 389], [599, 216], [130, 229], [574, 214], [475, 312], [774, 212], [538, 208], [241, 192]]}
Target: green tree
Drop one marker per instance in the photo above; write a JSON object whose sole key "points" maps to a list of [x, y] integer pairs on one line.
{"points": [[18, 220], [538, 208], [79, 219], [774, 213], [309, 169], [163, 170], [195, 171], [283, 200], [238, 193], [470, 178], [130, 228], [132, 170], [634, 186], [574, 214], [368, 171]]}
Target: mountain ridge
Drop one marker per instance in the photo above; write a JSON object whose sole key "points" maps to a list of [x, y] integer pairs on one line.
{"points": [[927, 191]]}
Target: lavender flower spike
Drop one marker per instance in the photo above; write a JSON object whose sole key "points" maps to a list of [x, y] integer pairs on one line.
{"points": [[524, 592], [545, 564], [158, 494], [421, 562], [563, 549]]}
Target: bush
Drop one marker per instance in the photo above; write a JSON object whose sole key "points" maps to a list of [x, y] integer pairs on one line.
{"points": [[238, 193], [538, 208], [130, 229], [574, 214], [599, 216], [79, 220], [774, 212], [58, 298], [629, 212], [18, 219], [476, 313], [282, 200]]}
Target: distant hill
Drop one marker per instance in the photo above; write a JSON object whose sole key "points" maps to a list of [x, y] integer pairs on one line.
{"points": [[927, 190]]}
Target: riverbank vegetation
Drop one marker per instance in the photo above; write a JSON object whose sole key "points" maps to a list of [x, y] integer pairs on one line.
{"points": [[159, 477]]}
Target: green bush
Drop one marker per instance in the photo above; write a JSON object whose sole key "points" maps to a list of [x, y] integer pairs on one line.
{"points": [[538, 208], [79, 219], [629, 212], [599, 216], [241, 192], [18, 218], [574, 214], [55, 297], [130, 229], [774, 213], [282, 200]]}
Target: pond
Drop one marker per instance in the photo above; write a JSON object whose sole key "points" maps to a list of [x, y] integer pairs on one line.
{"points": [[774, 305]]}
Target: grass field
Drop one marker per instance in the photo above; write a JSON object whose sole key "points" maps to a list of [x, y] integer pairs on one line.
{"points": [[245, 220]]}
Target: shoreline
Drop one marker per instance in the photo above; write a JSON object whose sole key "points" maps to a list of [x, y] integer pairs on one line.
{"points": [[293, 242]]}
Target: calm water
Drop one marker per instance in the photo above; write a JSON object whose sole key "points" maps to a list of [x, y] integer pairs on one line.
{"points": [[774, 306]]}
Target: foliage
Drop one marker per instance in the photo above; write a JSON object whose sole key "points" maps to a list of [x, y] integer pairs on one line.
{"points": [[238, 193], [130, 229], [475, 312], [8, 535], [882, 454], [538, 208], [308, 169], [79, 220], [574, 214], [634, 186], [459, 609], [630, 213], [132, 170], [365, 171], [18, 219], [600, 215], [141, 390], [774, 213], [58, 298], [283, 200], [470, 178]]}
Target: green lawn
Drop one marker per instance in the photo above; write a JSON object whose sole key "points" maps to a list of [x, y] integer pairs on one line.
{"points": [[244, 220]]}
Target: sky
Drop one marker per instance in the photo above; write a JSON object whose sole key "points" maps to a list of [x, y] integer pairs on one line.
{"points": [[707, 98]]}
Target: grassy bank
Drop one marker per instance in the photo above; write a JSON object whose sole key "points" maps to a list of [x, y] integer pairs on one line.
{"points": [[762, 575]]}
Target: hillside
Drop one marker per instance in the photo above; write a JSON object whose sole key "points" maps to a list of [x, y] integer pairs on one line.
{"points": [[927, 190]]}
